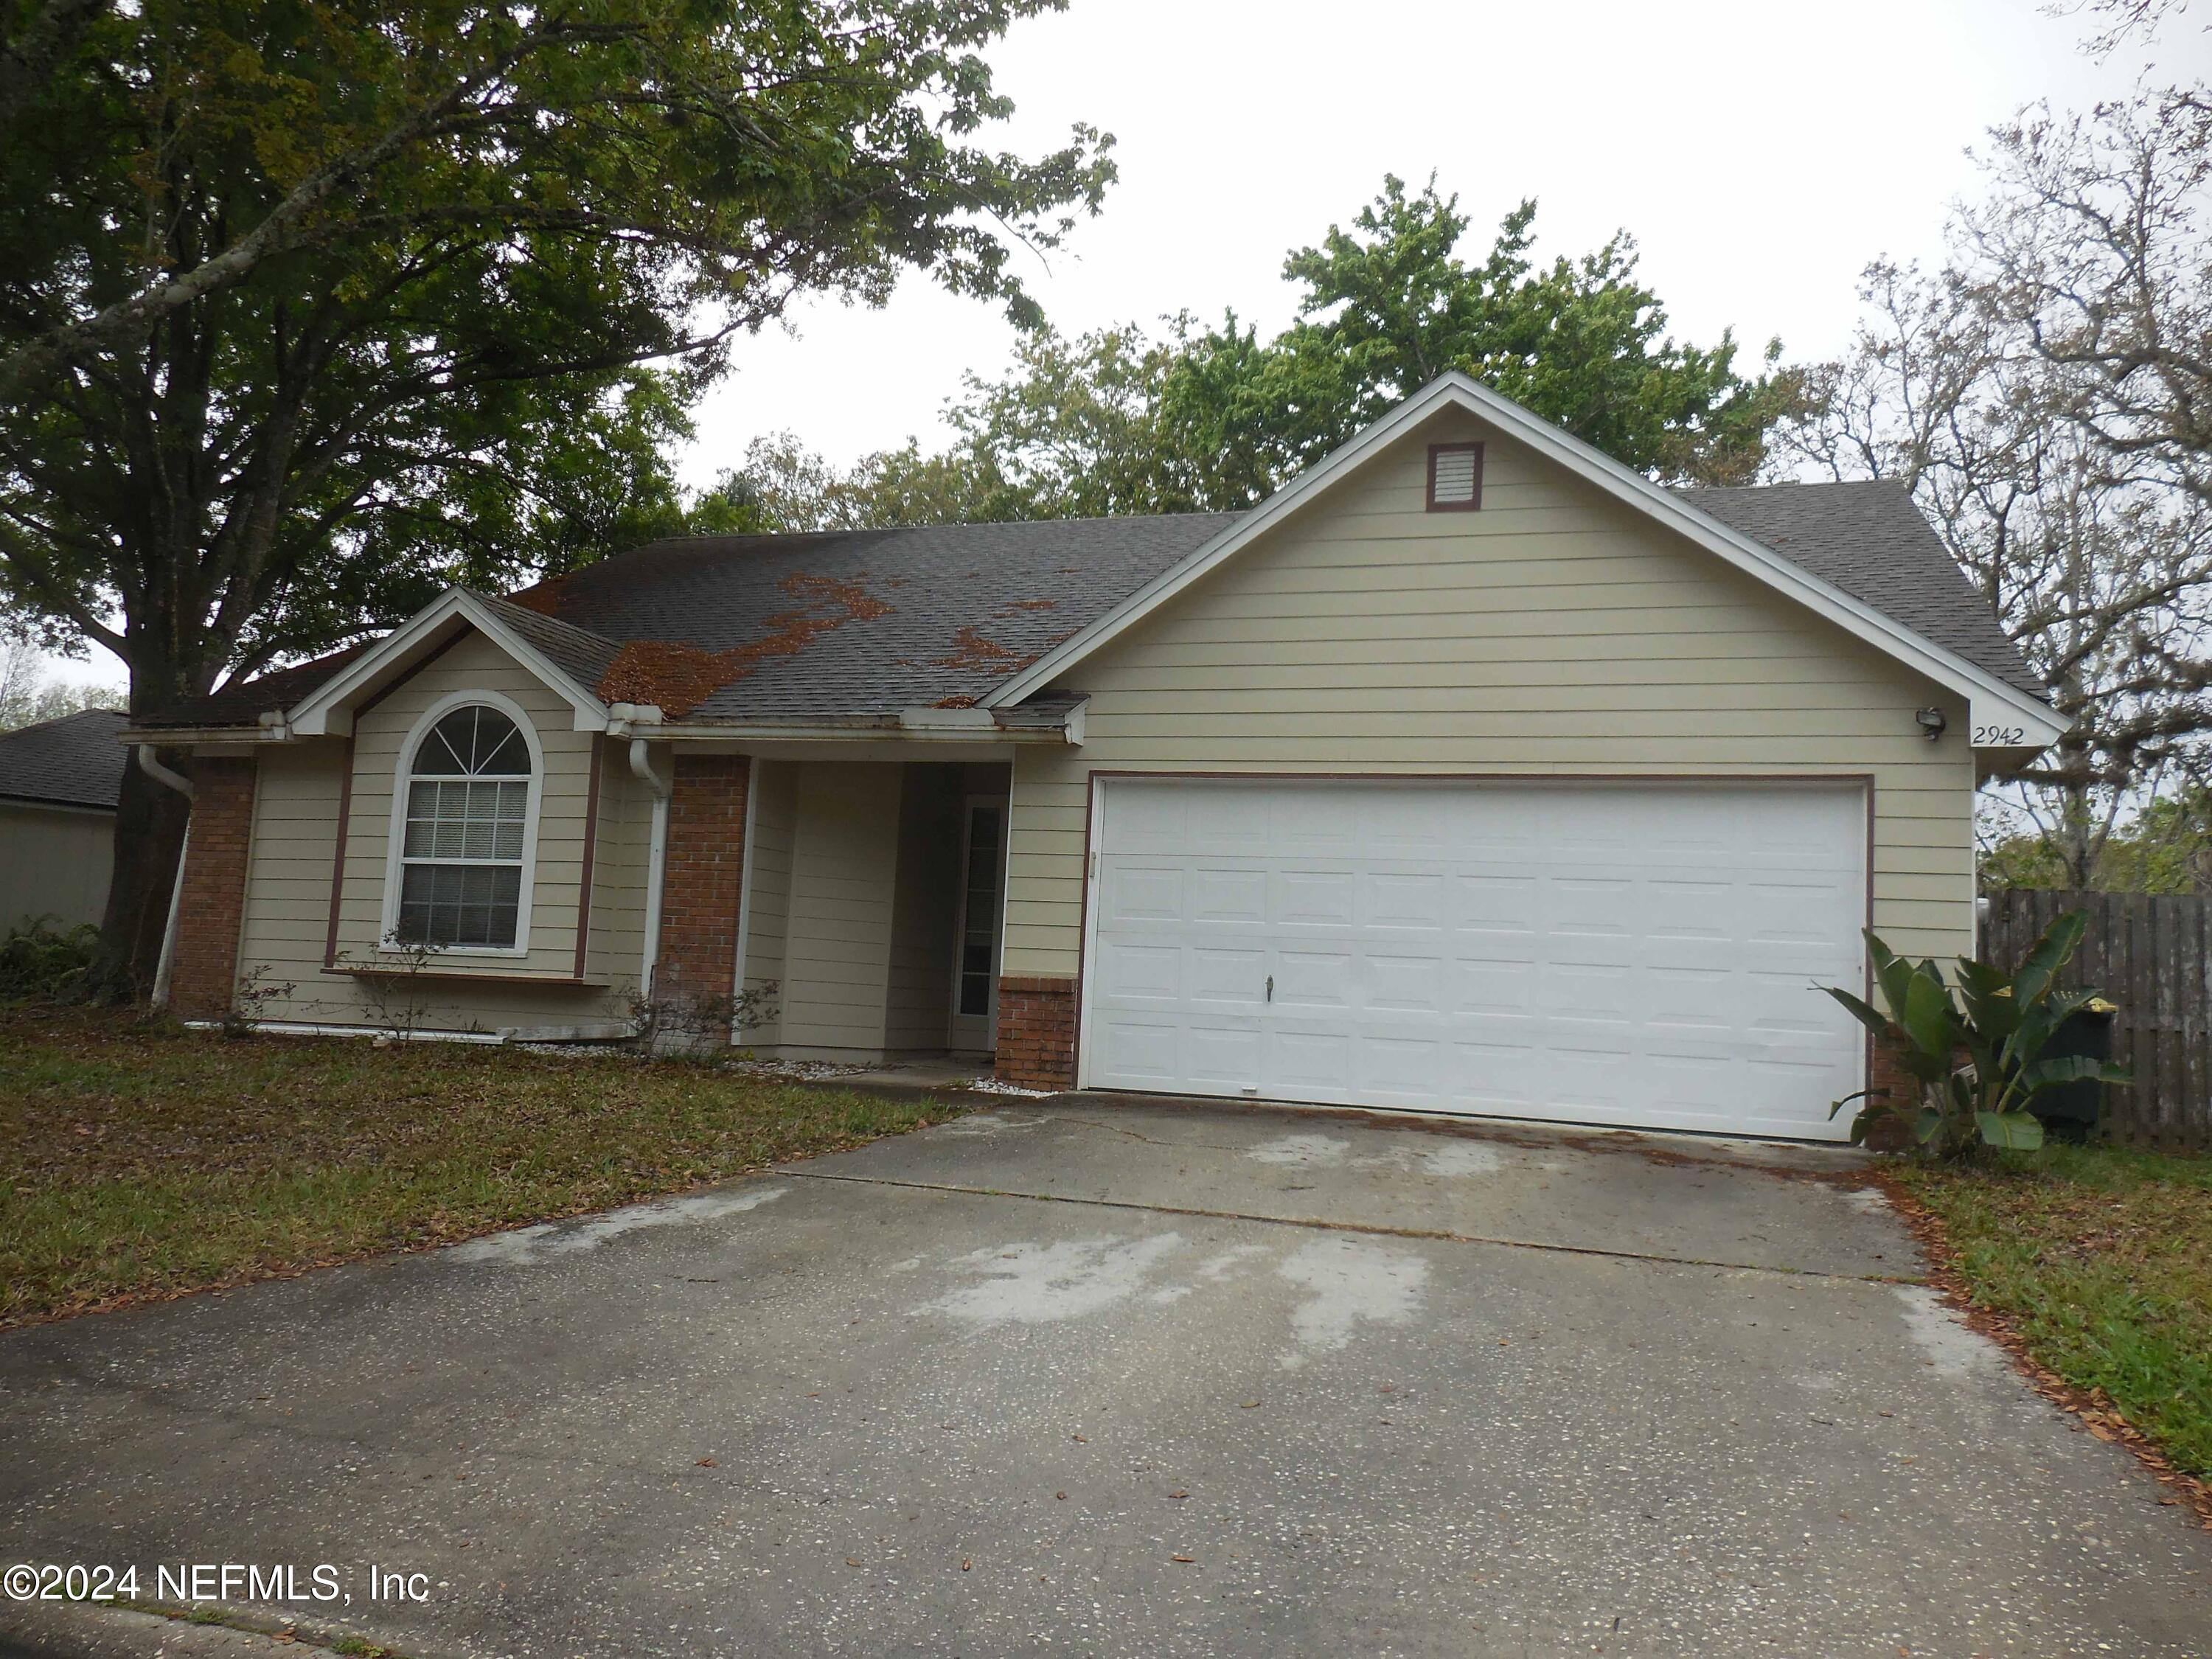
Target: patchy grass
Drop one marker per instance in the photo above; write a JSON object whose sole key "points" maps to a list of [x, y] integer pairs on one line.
{"points": [[2101, 1259], [141, 1160]]}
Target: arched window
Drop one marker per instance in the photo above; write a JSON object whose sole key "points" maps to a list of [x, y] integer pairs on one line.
{"points": [[463, 851]]}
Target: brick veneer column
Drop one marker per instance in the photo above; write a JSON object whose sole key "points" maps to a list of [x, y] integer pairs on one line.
{"points": [[1888, 1082], [702, 876], [1036, 1032], [211, 909]]}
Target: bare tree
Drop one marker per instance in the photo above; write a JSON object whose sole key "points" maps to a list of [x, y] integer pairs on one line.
{"points": [[2048, 400]]}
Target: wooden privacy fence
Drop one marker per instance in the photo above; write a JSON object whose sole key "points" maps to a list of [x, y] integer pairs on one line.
{"points": [[2150, 953]]}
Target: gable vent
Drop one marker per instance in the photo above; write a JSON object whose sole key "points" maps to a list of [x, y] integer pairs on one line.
{"points": [[1455, 477]]}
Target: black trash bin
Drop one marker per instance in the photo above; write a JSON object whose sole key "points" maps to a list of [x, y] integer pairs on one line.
{"points": [[2071, 1110]]}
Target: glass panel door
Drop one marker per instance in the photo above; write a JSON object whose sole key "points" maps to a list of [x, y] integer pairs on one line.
{"points": [[974, 994]]}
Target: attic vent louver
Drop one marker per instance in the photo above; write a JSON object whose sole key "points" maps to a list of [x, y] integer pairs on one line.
{"points": [[1455, 477]]}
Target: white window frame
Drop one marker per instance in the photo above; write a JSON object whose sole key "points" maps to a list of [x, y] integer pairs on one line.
{"points": [[395, 863]]}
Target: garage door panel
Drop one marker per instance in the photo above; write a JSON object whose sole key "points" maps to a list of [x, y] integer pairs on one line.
{"points": [[1643, 954]]}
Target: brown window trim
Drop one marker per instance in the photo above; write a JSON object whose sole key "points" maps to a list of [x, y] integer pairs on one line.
{"points": [[1475, 502]]}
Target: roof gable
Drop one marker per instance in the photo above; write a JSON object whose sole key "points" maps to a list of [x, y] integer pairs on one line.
{"points": [[1997, 700], [567, 660]]}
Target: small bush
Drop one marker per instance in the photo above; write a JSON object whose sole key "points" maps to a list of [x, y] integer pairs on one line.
{"points": [[42, 961]]}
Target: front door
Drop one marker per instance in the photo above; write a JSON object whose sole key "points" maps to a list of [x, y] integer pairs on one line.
{"points": [[982, 892]]}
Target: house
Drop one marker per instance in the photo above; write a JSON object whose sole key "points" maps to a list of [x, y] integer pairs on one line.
{"points": [[59, 783], [1469, 773]]}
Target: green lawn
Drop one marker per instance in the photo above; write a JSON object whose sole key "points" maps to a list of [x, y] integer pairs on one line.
{"points": [[141, 1160], [2102, 1259]]}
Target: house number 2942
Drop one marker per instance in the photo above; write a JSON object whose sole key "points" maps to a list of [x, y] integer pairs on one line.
{"points": [[2000, 736]]}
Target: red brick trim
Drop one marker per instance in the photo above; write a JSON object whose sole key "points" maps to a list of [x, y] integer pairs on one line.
{"points": [[702, 877], [211, 909], [1036, 1031]]}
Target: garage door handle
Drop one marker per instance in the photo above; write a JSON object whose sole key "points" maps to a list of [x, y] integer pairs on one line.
{"points": [[1271, 988]]}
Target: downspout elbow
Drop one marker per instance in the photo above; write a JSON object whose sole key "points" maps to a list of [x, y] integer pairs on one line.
{"points": [[641, 762], [153, 769]]}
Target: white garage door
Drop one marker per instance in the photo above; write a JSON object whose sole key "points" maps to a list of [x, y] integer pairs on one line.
{"points": [[1628, 954]]}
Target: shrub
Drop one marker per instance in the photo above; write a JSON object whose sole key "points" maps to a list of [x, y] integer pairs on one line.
{"points": [[42, 961], [1975, 1050]]}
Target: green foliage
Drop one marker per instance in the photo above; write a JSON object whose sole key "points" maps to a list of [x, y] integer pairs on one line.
{"points": [[2101, 1257], [1974, 1048], [427, 253], [42, 961], [2165, 849], [1214, 418]]}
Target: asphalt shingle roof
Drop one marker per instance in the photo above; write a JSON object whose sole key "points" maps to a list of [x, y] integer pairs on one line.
{"points": [[76, 760], [861, 622], [1868, 539], [853, 624]]}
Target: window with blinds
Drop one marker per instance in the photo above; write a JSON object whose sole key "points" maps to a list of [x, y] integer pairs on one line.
{"points": [[468, 812]]}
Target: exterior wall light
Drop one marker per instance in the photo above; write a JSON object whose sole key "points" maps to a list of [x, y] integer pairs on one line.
{"points": [[1931, 722]]}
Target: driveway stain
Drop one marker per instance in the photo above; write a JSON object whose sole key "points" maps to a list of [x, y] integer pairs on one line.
{"points": [[1029, 1284], [526, 1246], [1351, 1282]]}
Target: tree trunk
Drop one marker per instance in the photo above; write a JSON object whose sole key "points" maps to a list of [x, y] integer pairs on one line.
{"points": [[150, 835]]}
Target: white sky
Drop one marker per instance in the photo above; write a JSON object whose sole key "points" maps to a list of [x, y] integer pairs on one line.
{"points": [[1761, 152]]}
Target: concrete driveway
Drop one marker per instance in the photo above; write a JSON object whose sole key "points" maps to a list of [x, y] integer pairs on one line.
{"points": [[1105, 1377]]}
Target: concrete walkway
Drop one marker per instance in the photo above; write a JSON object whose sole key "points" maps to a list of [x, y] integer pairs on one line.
{"points": [[1107, 1377]]}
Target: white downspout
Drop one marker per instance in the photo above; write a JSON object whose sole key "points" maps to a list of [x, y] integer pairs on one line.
{"points": [[746, 889], [656, 862], [166, 965]]}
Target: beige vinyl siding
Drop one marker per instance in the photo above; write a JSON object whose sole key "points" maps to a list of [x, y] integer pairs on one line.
{"points": [[920, 1002], [55, 861], [286, 924], [1554, 631], [774, 808], [475, 664], [621, 861], [286, 927], [837, 950]]}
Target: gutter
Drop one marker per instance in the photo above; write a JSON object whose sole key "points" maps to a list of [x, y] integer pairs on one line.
{"points": [[165, 965]]}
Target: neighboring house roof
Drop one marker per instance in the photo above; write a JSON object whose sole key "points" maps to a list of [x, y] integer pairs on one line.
{"points": [[76, 761], [1870, 540], [858, 625]]}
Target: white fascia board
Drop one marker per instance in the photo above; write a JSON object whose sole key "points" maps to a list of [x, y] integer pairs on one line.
{"points": [[1991, 702], [323, 711]]}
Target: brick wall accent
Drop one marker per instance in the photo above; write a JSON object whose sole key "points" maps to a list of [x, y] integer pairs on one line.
{"points": [[1888, 1082], [1036, 1032], [700, 892], [204, 975]]}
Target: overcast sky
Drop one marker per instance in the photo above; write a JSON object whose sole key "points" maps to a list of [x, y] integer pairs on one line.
{"points": [[1760, 153]]}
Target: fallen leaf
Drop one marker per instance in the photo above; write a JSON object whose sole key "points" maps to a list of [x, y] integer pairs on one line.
{"points": [[1060, 1494], [1079, 1439], [850, 1562], [965, 1565], [1178, 1493], [1182, 1557], [1249, 1405], [706, 1463]]}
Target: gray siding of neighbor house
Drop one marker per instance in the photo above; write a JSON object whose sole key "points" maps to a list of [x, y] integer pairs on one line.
{"points": [[54, 862], [1554, 632]]}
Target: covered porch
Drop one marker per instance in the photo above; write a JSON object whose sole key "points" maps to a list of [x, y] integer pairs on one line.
{"points": [[871, 906]]}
